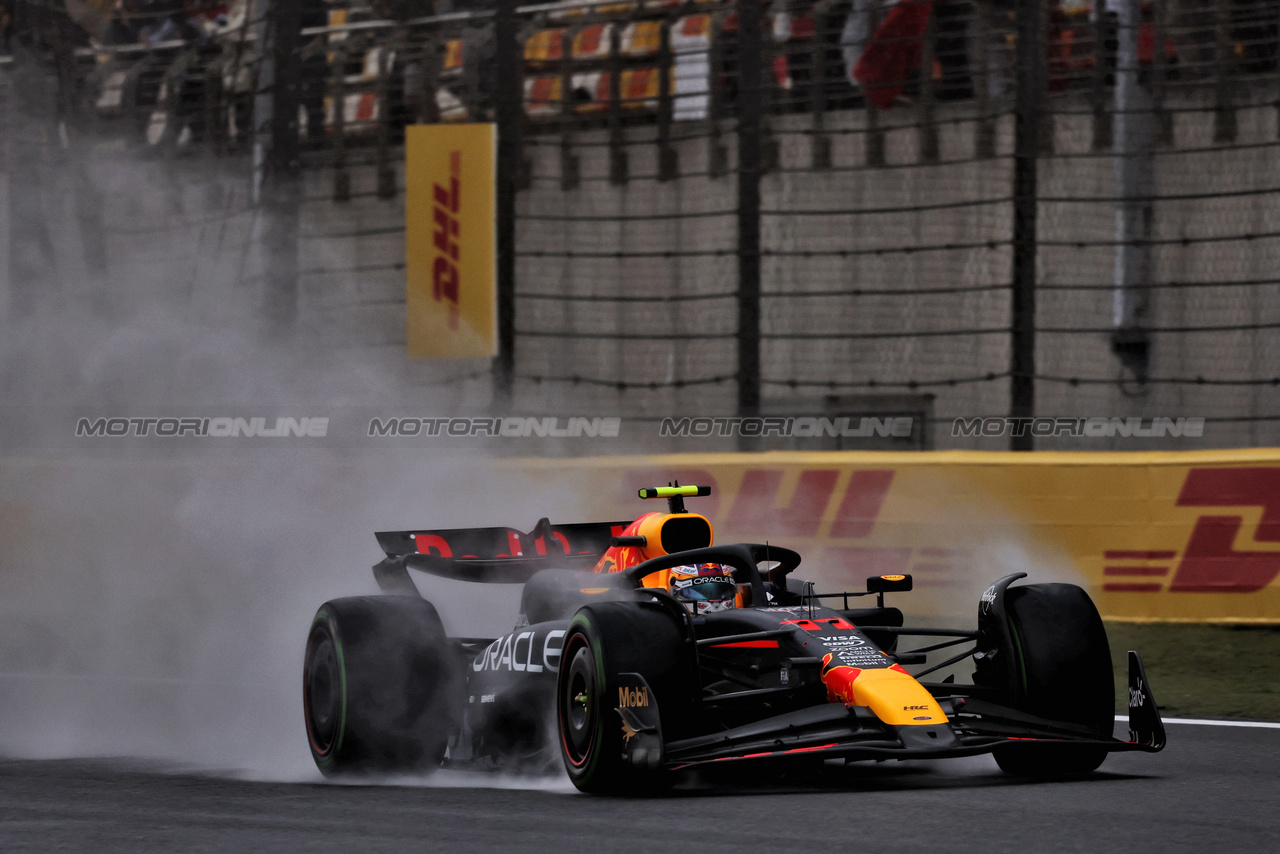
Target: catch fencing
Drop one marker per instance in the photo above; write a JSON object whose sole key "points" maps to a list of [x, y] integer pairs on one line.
{"points": [[936, 209]]}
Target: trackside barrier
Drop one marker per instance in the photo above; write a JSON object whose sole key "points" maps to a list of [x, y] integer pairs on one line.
{"points": [[1161, 536]]}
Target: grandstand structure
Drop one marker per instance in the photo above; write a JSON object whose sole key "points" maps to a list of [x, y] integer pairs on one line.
{"points": [[936, 209]]}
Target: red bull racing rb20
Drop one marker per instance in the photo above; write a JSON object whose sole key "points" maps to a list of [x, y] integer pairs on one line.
{"points": [[644, 649]]}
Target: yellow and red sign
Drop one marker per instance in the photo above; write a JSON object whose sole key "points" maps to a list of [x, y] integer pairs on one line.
{"points": [[1153, 536], [451, 271]]}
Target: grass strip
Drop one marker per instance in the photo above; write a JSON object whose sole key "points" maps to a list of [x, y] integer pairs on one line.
{"points": [[1200, 670]]}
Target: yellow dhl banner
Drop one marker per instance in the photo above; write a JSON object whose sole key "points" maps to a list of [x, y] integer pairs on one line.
{"points": [[450, 268], [1152, 536]]}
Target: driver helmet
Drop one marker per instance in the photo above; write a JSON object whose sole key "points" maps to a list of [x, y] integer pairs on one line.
{"points": [[704, 588]]}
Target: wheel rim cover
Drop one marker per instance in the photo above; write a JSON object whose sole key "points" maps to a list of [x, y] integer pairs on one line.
{"points": [[578, 703], [322, 691]]}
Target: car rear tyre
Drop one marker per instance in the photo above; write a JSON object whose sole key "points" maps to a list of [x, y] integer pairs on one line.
{"points": [[380, 687], [604, 640], [1064, 667]]}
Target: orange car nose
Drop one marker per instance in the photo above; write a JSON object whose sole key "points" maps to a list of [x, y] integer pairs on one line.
{"points": [[891, 693]]}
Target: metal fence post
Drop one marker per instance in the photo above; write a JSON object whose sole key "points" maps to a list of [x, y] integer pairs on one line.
{"points": [[668, 163], [768, 97], [819, 142], [1160, 74], [282, 189], [435, 46], [1029, 62], [927, 132], [984, 143], [1224, 115], [473, 89], [386, 171], [341, 177], [1277, 81], [568, 160], [508, 96], [750, 119], [1103, 34], [617, 143], [1135, 185], [873, 140], [213, 138], [717, 151]]}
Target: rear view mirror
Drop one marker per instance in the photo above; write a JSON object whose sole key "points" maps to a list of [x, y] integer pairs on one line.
{"points": [[888, 583]]}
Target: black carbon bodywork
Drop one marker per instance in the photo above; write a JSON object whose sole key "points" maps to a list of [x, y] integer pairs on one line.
{"points": [[755, 683], [760, 692]]}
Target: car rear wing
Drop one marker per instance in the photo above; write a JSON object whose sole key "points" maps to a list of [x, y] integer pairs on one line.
{"points": [[491, 555]]}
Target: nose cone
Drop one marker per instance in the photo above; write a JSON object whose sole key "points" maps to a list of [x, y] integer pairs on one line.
{"points": [[891, 692]]}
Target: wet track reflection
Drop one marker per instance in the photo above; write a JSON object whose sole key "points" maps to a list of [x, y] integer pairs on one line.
{"points": [[1212, 789]]}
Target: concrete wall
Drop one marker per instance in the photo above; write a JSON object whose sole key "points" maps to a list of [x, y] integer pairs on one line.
{"points": [[893, 252], [182, 233]]}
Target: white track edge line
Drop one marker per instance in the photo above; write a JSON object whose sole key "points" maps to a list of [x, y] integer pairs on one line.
{"points": [[1206, 722]]}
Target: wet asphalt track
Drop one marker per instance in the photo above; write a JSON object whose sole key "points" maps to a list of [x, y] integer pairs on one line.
{"points": [[1213, 789]]}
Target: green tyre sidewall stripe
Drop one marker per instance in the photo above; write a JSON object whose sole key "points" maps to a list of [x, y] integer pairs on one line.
{"points": [[329, 762], [601, 701], [581, 622]]}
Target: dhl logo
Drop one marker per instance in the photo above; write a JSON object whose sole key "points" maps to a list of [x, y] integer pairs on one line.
{"points": [[445, 236], [1211, 563]]}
